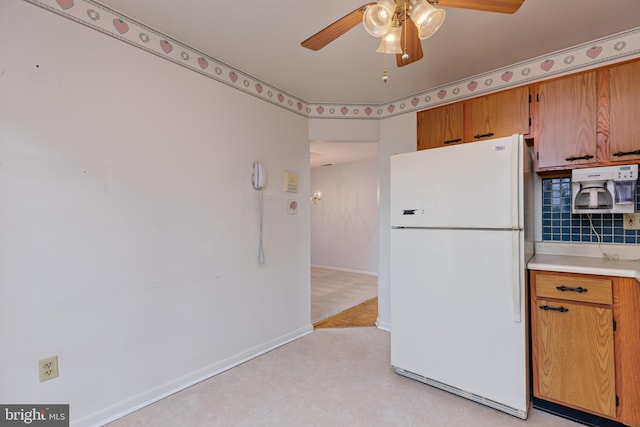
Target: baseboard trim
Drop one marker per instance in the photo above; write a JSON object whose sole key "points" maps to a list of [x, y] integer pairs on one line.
{"points": [[385, 326], [346, 270], [135, 403]]}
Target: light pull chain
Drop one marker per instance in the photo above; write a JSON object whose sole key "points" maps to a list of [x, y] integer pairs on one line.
{"points": [[405, 55], [385, 76]]}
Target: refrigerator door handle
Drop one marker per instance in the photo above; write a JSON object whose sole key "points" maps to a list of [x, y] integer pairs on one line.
{"points": [[516, 181], [515, 276]]}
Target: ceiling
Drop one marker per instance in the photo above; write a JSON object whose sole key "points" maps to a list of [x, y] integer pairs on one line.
{"points": [[262, 39], [323, 153]]}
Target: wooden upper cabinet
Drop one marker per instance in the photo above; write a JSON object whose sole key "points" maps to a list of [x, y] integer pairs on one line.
{"points": [[567, 121], [499, 114], [583, 119], [438, 127], [624, 104], [491, 116]]}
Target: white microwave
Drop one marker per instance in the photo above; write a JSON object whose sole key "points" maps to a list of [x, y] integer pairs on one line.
{"points": [[608, 189]]}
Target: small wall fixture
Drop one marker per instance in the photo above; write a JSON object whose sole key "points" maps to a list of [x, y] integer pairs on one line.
{"points": [[315, 199]]}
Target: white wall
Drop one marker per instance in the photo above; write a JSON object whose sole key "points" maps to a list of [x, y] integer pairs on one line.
{"points": [[346, 130], [128, 225], [397, 135], [344, 225]]}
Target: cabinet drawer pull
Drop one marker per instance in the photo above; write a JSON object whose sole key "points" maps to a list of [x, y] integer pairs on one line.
{"points": [[585, 157], [579, 289], [627, 153], [483, 135], [451, 141], [548, 307]]}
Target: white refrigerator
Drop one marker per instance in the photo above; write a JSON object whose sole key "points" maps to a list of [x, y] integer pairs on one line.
{"points": [[461, 218]]}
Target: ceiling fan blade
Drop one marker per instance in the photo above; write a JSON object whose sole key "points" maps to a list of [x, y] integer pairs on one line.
{"points": [[500, 6], [414, 47], [335, 30]]}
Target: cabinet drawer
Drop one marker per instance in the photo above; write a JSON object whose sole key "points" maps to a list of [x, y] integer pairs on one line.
{"points": [[585, 289]]}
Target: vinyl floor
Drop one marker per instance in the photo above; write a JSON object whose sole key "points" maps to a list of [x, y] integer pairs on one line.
{"points": [[338, 377], [333, 377]]}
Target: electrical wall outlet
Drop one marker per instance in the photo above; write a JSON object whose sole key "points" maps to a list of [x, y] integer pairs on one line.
{"points": [[631, 221], [48, 368]]}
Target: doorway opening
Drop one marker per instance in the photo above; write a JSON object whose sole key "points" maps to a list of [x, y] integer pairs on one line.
{"points": [[344, 226]]}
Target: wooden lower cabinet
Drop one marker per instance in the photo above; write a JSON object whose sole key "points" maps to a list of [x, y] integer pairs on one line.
{"points": [[585, 336], [575, 355]]}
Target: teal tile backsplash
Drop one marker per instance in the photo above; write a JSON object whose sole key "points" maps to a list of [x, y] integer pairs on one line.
{"points": [[560, 225]]}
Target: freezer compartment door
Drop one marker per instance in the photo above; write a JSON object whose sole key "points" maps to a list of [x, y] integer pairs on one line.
{"points": [[474, 185], [457, 317]]}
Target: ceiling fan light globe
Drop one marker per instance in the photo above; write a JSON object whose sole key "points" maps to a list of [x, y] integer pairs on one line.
{"points": [[426, 18], [390, 42], [377, 19]]}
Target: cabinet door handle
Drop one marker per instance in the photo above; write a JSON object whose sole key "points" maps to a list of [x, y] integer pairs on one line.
{"points": [[585, 157], [451, 141], [549, 308], [483, 135], [627, 153], [579, 289]]}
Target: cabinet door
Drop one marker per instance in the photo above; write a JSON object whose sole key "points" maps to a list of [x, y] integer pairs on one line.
{"points": [[441, 126], [500, 114], [575, 358], [567, 121], [624, 133]]}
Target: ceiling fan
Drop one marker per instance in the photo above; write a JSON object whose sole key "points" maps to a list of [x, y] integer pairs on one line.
{"points": [[388, 19]]}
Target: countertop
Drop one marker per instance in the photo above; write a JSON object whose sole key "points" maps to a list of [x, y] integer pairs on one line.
{"points": [[586, 265]]}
